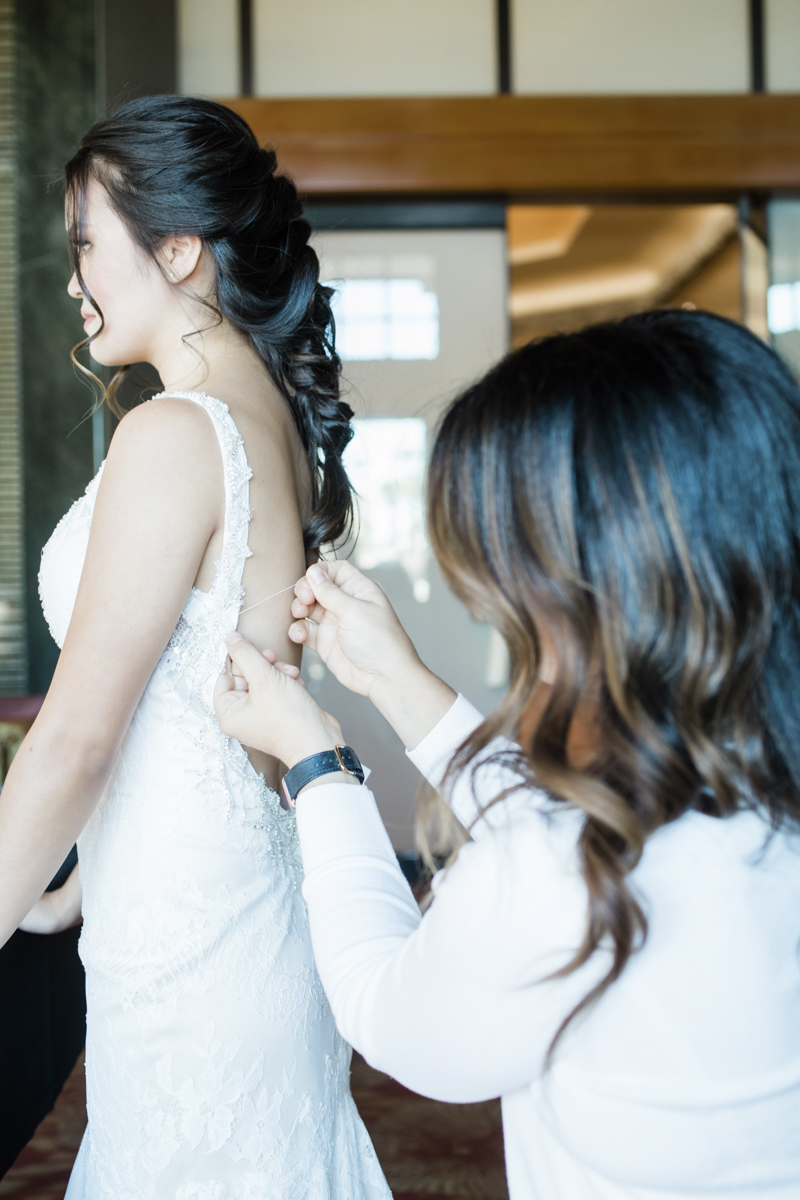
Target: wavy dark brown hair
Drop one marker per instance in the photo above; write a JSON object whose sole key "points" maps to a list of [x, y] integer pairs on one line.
{"points": [[180, 165], [631, 494]]}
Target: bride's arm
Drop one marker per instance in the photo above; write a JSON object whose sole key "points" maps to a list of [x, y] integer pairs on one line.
{"points": [[58, 910], [159, 503]]}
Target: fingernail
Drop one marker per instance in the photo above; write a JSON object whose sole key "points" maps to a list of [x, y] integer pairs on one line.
{"points": [[316, 574], [234, 637]]}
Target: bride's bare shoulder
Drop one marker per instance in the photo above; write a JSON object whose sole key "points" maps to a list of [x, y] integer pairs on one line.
{"points": [[167, 426], [166, 416], [166, 446]]}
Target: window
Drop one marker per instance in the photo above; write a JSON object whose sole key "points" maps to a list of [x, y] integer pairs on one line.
{"points": [[783, 307], [386, 464], [385, 318]]}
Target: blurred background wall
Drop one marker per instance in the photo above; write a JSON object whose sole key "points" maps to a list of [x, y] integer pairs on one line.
{"points": [[450, 47]]}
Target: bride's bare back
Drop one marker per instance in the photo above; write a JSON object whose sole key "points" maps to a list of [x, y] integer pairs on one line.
{"points": [[280, 507]]}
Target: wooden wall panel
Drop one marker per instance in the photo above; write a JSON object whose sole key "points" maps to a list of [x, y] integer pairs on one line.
{"points": [[532, 145]]}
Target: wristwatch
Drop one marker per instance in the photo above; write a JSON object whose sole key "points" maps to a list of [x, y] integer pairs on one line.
{"points": [[341, 758]]}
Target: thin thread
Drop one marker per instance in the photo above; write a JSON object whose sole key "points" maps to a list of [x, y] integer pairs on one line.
{"points": [[290, 588]]}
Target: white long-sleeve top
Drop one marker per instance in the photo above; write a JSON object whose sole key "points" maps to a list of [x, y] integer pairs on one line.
{"points": [[683, 1081]]}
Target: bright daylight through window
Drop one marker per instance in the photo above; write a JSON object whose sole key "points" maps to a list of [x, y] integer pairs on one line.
{"points": [[385, 318], [386, 464], [783, 307]]}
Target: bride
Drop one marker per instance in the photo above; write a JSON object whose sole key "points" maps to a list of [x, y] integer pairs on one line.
{"points": [[214, 1069]]}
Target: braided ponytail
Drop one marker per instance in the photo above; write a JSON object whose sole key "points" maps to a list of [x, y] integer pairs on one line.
{"points": [[174, 164]]}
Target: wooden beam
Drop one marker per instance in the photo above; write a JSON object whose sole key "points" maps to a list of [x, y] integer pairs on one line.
{"points": [[533, 145]]}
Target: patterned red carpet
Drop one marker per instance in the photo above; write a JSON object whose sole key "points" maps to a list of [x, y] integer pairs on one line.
{"points": [[426, 1148], [42, 1169]]}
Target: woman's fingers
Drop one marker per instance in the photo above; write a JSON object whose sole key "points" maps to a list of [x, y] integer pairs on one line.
{"points": [[329, 595], [224, 684], [239, 681], [339, 572], [247, 663], [303, 593], [292, 671], [275, 714], [332, 586], [349, 580], [226, 697], [307, 612], [304, 633], [325, 579], [287, 668]]}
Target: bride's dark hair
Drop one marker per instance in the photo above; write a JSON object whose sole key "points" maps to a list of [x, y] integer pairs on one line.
{"points": [[630, 496], [180, 165]]}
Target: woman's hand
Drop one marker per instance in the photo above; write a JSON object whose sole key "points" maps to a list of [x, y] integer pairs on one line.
{"points": [[346, 618], [264, 704], [57, 910]]}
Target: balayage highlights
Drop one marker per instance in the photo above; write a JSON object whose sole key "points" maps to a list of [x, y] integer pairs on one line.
{"points": [[630, 494]]}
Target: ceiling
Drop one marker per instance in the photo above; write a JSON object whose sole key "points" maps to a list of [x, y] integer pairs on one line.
{"points": [[571, 265]]}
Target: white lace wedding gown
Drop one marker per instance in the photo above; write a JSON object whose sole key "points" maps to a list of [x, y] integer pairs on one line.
{"points": [[214, 1070]]}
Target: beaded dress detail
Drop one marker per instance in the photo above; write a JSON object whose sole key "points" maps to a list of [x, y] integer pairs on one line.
{"points": [[214, 1069]]}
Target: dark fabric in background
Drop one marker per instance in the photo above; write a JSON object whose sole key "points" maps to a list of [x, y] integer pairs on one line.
{"points": [[42, 1026]]}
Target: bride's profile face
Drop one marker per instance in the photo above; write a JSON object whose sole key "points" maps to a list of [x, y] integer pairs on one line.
{"points": [[123, 282]]}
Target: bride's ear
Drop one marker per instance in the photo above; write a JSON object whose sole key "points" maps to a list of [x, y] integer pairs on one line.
{"points": [[181, 256]]}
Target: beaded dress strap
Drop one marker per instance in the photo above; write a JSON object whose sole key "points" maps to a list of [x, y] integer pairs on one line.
{"points": [[226, 587]]}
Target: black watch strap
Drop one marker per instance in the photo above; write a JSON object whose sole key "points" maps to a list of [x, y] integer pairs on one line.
{"points": [[342, 758]]}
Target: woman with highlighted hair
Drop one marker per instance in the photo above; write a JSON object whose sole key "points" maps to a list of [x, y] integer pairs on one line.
{"points": [[613, 946]]}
